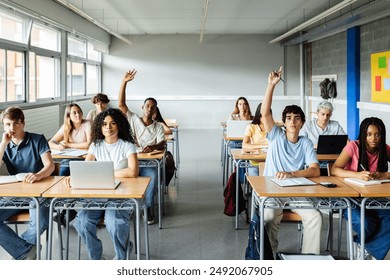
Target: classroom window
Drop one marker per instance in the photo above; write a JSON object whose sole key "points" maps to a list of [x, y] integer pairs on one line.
{"points": [[77, 47], [45, 37], [93, 54], [11, 76], [11, 27], [44, 77], [93, 79], [75, 79]]}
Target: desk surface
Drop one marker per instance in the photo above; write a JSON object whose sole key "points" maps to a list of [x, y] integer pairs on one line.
{"points": [[236, 153], [232, 138], [264, 187], [380, 190], [128, 188], [146, 156], [64, 156], [22, 189]]}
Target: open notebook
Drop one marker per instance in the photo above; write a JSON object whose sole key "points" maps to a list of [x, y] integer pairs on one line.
{"points": [[292, 182], [366, 183], [12, 178]]}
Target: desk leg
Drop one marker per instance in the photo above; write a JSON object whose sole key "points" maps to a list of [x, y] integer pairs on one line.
{"points": [[349, 229], [362, 229], [37, 228], [146, 233], [177, 147], [237, 164], [261, 214], [159, 186], [50, 240]]}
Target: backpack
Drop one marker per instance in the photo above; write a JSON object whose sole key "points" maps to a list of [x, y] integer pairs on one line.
{"points": [[324, 88], [332, 90], [252, 251], [328, 89], [230, 197], [170, 167]]}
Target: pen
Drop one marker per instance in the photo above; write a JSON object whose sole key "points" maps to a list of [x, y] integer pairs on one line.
{"points": [[276, 73], [361, 165]]}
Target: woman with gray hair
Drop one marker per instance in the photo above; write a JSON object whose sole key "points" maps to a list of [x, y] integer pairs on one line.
{"points": [[322, 125]]}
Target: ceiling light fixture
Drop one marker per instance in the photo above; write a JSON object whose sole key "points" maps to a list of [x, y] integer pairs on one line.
{"points": [[313, 20], [91, 19]]}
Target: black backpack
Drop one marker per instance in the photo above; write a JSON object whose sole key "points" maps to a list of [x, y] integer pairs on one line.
{"points": [[170, 167], [253, 248], [328, 89], [230, 197]]}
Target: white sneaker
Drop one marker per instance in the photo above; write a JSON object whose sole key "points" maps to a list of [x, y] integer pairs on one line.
{"points": [[358, 252], [30, 255]]}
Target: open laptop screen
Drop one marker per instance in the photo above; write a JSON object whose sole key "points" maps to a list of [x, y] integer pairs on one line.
{"points": [[331, 144]]}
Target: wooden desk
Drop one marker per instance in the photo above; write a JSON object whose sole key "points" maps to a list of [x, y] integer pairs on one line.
{"points": [[158, 161], [63, 156], [267, 194], [372, 197], [129, 195], [241, 161], [20, 195]]}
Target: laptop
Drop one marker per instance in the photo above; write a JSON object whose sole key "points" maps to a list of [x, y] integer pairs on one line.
{"points": [[236, 128], [331, 144], [97, 175]]}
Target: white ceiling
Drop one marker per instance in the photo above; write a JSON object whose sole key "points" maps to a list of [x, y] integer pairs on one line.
{"points": [[129, 17]]}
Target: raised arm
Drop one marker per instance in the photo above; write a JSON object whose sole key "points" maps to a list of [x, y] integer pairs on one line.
{"points": [[129, 76], [273, 79]]}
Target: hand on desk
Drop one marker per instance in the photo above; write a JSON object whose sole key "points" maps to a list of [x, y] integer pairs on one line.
{"points": [[366, 175], [31, 178], [283, 175], [67, 182]]}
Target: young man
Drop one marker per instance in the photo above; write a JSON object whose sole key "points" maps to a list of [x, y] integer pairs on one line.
{"points": [[322, 125], [289, 155], [23, 152], [148, 135]]}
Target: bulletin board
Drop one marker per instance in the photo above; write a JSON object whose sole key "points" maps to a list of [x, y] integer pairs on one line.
{"points": [[380, 77]]}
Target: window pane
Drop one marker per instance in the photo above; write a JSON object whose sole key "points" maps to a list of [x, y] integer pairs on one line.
{"points": [[45, 38], [77, 47], [11, 27], [75, 79], [15, 76], [2, 76], [44, 77], [92, 79], [92, 54]]}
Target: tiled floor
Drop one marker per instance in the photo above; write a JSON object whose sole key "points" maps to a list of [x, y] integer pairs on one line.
{"points": [[194, 226]]}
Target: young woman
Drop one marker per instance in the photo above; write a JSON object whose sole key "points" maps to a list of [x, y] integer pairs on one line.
{"points": [[366, 159], [100, 100], [158, 118], [74, 133], [255, 138], [242, 111], [111, 141]]}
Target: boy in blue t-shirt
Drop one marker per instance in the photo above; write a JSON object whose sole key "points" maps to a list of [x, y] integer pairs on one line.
{"points": [[289, 155], [23, 152]]}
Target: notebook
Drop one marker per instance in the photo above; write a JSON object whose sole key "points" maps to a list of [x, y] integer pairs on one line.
{"points": [[236, 128], [366, 183], [331, 144], [12, 178], [292, 182], [93, 175]]}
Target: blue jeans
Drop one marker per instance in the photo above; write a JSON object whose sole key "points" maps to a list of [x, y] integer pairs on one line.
{"points": [[64, 167], [117, 225], [18, 246], [377, 231], [152, 187]]}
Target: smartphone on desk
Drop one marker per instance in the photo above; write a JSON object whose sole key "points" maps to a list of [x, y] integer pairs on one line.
{"points": [[328, 184]]}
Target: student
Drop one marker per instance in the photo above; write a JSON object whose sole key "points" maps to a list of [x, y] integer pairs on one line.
{"points": [[242, 110], [158, 118], [111, 141], [255, 138], [367, 158], [74, 133], [289, 155], [148, 135], [322, 125], [23, 152], [100, 100]]}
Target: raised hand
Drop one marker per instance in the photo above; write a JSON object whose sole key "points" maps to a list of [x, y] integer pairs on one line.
{"points": [[129, 76]]}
